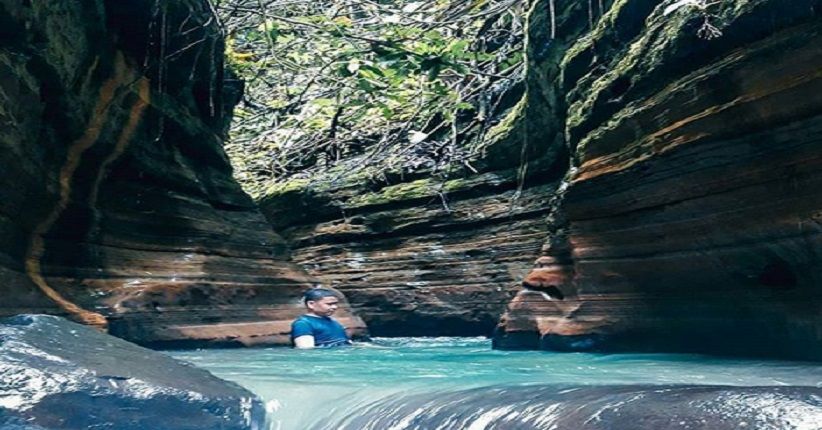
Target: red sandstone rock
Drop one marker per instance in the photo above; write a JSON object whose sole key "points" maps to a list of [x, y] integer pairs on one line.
{"points": [[426, 271], [118, 207], [693, 221]]}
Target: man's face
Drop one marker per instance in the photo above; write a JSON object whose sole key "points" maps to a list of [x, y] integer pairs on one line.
{"points": [[325, 306]]}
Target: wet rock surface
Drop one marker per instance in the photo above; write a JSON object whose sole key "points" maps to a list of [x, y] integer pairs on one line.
{"points": [[691, 220], [117, 204], [644, 407], [56, 374]]}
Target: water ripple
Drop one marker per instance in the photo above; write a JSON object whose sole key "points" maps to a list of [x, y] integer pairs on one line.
{"points": [[353, 379]]}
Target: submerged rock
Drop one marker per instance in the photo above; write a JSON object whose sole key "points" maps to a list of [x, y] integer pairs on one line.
{"points": [[58, 374], [592, 408]]}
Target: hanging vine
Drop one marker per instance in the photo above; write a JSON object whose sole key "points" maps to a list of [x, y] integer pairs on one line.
{"points": [[366, 86]]}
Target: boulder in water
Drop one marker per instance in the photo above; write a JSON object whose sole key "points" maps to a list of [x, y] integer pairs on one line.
{"points": [[58, 374]]}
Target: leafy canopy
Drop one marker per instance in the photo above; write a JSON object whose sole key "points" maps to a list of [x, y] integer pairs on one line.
{"points": [[362, 85]]}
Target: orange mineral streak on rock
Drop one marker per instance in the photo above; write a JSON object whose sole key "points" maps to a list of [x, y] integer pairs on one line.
{"points": [[134, 117], [109, 91]]}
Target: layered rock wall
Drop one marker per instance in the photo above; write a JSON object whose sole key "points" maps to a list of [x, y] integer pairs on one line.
{"points": [[118, 208], [693, 219], [424, 257]]}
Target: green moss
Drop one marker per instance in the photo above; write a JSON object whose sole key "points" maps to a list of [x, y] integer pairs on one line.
{"points": [[667, 45], [407, 191], [329, 182], [280, 188], [642, 55], [456, 185], [509, 124], [422, 188], [604, 25]]}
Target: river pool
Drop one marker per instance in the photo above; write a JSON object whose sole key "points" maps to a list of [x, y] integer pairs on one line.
{"points": [[307, 389]]}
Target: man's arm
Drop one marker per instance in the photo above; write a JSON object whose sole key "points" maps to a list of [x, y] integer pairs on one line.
{"points": [[303, 334], [304, 342]]}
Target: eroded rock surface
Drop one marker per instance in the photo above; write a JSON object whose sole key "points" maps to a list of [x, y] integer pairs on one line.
{"points": [[55, 374], [117, 205], [410, 266], [425, 255], [693, 220], [688, 218]]}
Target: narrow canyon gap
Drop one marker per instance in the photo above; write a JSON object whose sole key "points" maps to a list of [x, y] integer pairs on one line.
{"points": [[656, 187], [671, 199]]}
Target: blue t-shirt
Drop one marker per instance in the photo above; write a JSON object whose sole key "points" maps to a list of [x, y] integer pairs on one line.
{"points": [[326, 330]]}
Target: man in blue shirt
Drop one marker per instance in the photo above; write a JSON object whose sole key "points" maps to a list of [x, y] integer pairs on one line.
{"points": [[316, 328]]}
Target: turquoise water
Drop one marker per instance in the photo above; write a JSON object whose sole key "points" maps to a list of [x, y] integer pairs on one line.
{"points": [[302, 388]]}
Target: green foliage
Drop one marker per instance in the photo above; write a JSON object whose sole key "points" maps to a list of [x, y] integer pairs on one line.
{"points": [[382, 85]]}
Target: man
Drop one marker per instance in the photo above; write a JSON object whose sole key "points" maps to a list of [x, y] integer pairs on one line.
{"points": [[316, 328]]}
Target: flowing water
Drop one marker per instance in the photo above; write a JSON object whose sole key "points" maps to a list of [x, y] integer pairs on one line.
{"points": [[371, 385]]}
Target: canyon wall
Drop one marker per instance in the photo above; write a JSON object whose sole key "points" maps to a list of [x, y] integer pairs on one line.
{"points": [[693, 216], [661, 168], [414, 260], [117, 205], [423, 255]]}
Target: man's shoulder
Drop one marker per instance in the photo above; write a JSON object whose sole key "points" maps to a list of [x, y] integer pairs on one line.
{"points": [[302, 319], [311, 321], [301, 327]]}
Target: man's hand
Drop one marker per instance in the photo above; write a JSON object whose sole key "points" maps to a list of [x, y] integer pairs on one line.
{"points": [[304, 342]]}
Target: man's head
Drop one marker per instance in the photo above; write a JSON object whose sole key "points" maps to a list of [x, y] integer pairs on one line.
{"points": [[321, 302]]}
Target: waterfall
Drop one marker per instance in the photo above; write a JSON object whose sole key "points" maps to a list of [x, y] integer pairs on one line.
{"points": [[633, 407]]}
